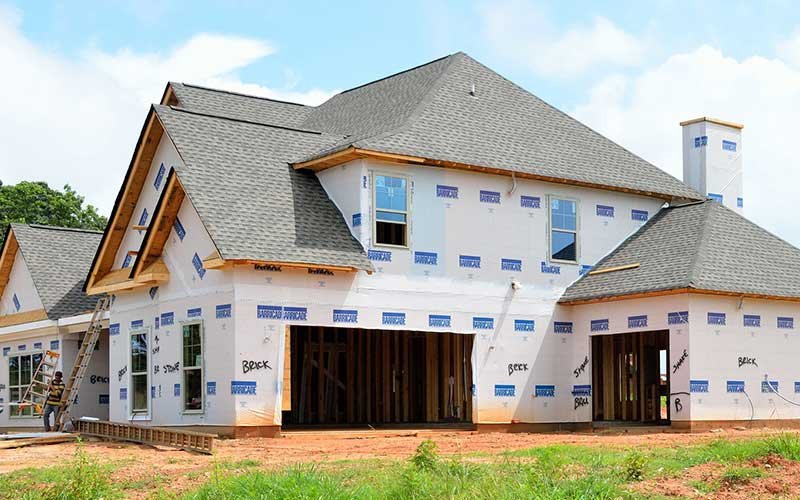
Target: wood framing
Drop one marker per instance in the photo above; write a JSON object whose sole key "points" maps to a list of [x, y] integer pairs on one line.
{"points": [[615, 268], [149, 265], [127, 198], [712, 120], [23, 317], [352, 153], [354, 376], [215, 261], [7, 256]]}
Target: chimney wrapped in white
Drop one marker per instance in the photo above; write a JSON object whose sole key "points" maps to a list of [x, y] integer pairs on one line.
{"points": [[712, 160]]}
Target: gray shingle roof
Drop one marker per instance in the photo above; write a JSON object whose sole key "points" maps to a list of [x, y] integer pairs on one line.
{"points": [[703, 246], [59, 260], [238, 151], [429, 112], [239, 106], [253, 204]]}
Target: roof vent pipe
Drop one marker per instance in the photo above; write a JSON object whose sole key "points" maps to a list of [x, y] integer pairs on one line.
{"points": [[472, 90]]}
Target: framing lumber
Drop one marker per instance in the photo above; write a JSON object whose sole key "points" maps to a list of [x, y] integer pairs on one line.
{"points": [[286, 387], [216, 261], [185, 440], [164, 215], [712, 120], [615, 268], [128, 197], [7, 256], [23, 317], [353, 376], [7, 444]]}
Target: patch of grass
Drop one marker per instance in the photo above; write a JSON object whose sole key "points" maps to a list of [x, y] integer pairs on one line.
{"points": [[82, 477], [557, 471], [734, 476], [239, 464]]}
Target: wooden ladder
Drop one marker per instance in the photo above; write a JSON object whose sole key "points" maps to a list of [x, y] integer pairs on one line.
{"points": [[82, 361], [35, 394]]}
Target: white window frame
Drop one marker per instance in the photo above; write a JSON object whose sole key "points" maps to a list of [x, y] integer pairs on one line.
{"points": [[550, 229], [12, 405], [202, 369], [139, 414], [407, 211]]}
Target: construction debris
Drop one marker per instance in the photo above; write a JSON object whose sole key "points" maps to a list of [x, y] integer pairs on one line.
{"points": [[22, 439]]}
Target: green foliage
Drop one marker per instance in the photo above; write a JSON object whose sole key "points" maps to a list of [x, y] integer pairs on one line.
{"points": [[425, 457], [81, 477], [786, 445], [633, 466], [38, 203]]}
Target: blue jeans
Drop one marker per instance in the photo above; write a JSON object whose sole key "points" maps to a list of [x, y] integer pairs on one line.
{"points": [[48, 409]]}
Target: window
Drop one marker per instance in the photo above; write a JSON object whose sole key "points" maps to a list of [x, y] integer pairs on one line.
{"points": [[192, 367], [139, 372], [563, 230], [20, 370], [391, 210]]}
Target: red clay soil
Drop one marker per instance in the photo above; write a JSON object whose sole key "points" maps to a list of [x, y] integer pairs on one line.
{"points": [[180, 470], [781, 480]]}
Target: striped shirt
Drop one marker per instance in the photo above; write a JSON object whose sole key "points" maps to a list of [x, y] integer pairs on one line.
{"points": [[54, 393]]}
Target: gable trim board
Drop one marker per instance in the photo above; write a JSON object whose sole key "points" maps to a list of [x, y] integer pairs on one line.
{"points": [[7, 254], [23, 317], [126, 201]]}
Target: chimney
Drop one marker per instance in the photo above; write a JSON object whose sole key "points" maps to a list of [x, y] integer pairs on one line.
{"points": [[712, 160]]}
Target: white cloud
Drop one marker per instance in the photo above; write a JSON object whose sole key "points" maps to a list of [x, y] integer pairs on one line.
{"points": [[789, 49], [643, 112], [76, 120], [519, 30]]}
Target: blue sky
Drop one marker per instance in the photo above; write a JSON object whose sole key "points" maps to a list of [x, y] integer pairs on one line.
{"points": [[343, 44], [84, 72]]}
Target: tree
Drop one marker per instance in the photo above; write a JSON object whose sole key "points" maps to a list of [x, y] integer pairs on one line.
{"points": [[37, 203]]}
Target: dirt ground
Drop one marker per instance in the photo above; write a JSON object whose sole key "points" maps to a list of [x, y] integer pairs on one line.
{"points": [[183, 470]]}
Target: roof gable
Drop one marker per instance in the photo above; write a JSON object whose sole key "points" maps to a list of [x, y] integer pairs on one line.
{"points": [[695, 247], [58, 260], [252, 203]]}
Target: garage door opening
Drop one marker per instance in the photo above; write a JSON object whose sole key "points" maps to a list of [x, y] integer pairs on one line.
{"points": [[350, 376], [630, 377]]}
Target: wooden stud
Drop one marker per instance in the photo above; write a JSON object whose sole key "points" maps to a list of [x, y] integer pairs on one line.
{"points": [[320, 375], [286, 400], [351, 365]]}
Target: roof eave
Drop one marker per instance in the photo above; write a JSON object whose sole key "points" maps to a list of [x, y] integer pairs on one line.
{"points": [[674, 291], [349, 153]]}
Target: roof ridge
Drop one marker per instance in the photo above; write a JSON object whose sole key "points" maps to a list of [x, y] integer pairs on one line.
{"points": [[701, 242], [572, 118], [223, 91], [420, 106], [239, 120], [59, 228], [398, 73]]}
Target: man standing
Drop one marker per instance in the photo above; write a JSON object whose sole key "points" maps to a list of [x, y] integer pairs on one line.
{"points": [[53, 403]]}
